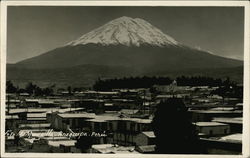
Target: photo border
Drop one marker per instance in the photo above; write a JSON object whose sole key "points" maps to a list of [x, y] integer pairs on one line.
{"points": [[246, 94]]}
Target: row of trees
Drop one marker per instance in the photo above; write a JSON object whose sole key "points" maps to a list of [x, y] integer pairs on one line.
{"points": [[147, 82], [200, 81], [132, 82], [34, 89], [30, 88]]}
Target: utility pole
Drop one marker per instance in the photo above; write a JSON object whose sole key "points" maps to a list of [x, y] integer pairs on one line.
{"points": [[173, 87], [8, 103], [144, 99]]}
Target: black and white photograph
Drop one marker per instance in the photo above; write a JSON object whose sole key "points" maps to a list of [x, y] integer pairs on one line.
{"points": [[125, 79]]}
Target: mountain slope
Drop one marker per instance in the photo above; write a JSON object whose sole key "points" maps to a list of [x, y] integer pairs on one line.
{"points": [[146, 56], [78, 76]]}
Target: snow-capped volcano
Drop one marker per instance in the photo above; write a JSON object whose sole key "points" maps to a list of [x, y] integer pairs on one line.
{"points": [[122, 47], [126, 31], [131, 43]]}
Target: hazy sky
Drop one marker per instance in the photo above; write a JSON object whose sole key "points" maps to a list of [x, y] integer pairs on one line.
{"points": [[35, 30]]}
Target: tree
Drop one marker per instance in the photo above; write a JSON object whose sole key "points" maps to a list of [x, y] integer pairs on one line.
{"points": [[84, 143], [30, 88], [174, 131], [10, 88], [69, 90], [38, 91]]}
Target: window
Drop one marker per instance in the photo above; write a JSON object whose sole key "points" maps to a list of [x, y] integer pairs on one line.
{"points": [[132, 126], [210, 132], [110, 126], [138, 127], [97, 126], [121, 126], [225, 131]]}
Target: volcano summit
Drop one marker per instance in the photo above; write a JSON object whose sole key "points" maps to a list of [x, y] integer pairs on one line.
{"points": [[126, 31]]}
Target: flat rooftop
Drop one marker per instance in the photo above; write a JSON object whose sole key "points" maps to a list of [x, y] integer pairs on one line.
{"points": [[110, 148], [150, 134], [216, 111], [233, 137], [57, 143], [204, 124], [222, 109], [77, 115], [236, 120], [42, 110], [101, 118], [10, 117], [33, 125], [34, 110], [96, 120], [147, 148], [36, 115], [128, 111], [65, 110], [55, 138]]}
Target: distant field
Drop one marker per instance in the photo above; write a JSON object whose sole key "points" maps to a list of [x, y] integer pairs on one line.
{"points": [[86, 75]]}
